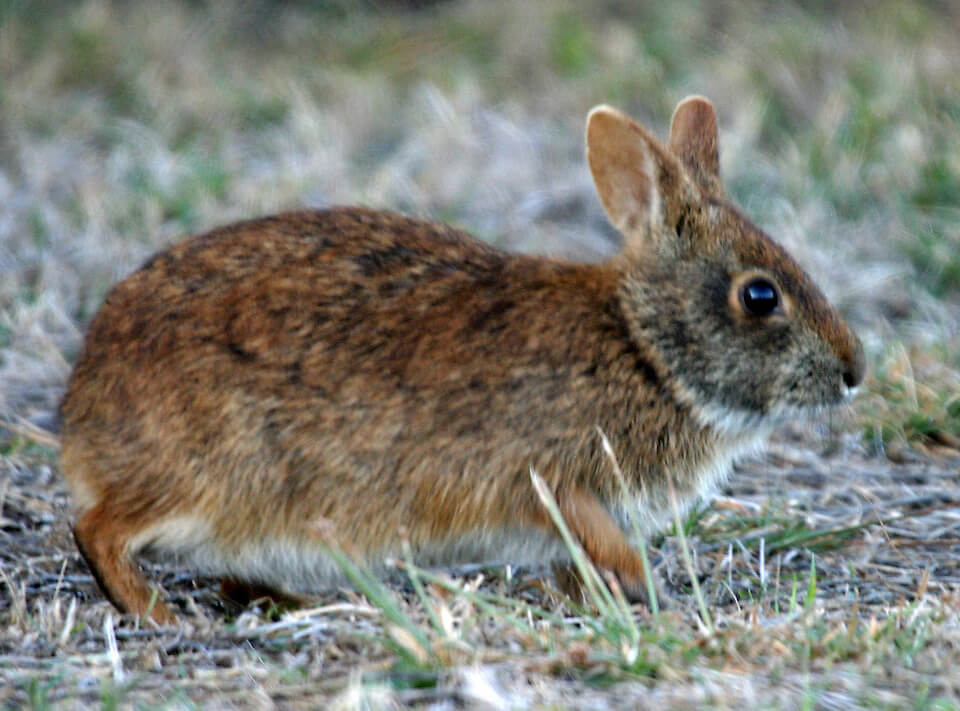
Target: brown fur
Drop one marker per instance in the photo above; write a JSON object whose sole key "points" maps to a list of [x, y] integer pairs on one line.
{"points": [[251, 393]]}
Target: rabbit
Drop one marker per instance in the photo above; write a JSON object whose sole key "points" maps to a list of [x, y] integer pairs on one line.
{"points": [[358, 378]]}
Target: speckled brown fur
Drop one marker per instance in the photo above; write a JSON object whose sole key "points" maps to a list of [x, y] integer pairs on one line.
{"points": [[353, 374]]}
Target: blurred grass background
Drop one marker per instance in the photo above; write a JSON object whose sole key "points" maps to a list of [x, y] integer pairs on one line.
{"points": [[124, 125]]}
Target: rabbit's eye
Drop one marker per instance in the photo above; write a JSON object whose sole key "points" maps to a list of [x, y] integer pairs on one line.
{"points": [[759, 297]]}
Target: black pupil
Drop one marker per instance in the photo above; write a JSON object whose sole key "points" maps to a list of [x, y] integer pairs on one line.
{"points": [[760, 298]]}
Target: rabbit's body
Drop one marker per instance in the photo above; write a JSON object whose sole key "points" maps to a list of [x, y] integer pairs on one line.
{"points": [[408, 363], [252, 394]]}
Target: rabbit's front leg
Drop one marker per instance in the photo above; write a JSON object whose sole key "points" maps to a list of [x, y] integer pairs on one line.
{"points": [[605, 544]]}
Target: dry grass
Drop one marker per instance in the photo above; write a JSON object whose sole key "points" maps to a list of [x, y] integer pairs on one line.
{"points": [[826, 596], [828, 569]]}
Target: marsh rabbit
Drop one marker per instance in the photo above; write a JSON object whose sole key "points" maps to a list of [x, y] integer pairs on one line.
{"points": [[351, 375]]}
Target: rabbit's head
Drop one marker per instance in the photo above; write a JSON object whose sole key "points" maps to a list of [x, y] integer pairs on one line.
{"points": [[735, 326]]}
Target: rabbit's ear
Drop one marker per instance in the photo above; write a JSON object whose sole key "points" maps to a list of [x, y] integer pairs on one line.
{"points": [[640, 182], [693, 139]]}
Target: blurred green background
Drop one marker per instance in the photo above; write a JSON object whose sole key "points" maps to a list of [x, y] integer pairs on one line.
{"points": [[124, 125]]}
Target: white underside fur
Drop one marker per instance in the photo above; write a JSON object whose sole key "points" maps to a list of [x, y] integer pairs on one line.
{"points": [[651, 512], [303, 565]]}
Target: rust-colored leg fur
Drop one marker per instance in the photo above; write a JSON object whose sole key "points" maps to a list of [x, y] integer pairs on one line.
{"points": [[603, 541], [103, 544]]}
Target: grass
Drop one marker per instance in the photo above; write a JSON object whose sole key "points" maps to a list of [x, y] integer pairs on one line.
{"points": [[824, 577], [798, 634], [904, 407], [794, 629]]}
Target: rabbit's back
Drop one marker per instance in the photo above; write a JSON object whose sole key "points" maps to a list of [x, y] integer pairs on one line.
{"points": [[348, 306]]}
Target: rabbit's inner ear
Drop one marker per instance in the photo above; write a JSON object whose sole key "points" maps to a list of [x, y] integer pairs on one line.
{"points": [[639, 182], [694, 140]]}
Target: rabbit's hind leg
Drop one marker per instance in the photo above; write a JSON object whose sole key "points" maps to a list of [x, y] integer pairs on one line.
{"points": [[104, 541]]}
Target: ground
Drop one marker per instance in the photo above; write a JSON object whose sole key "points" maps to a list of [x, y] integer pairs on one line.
{"points": [[826, 573]]}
